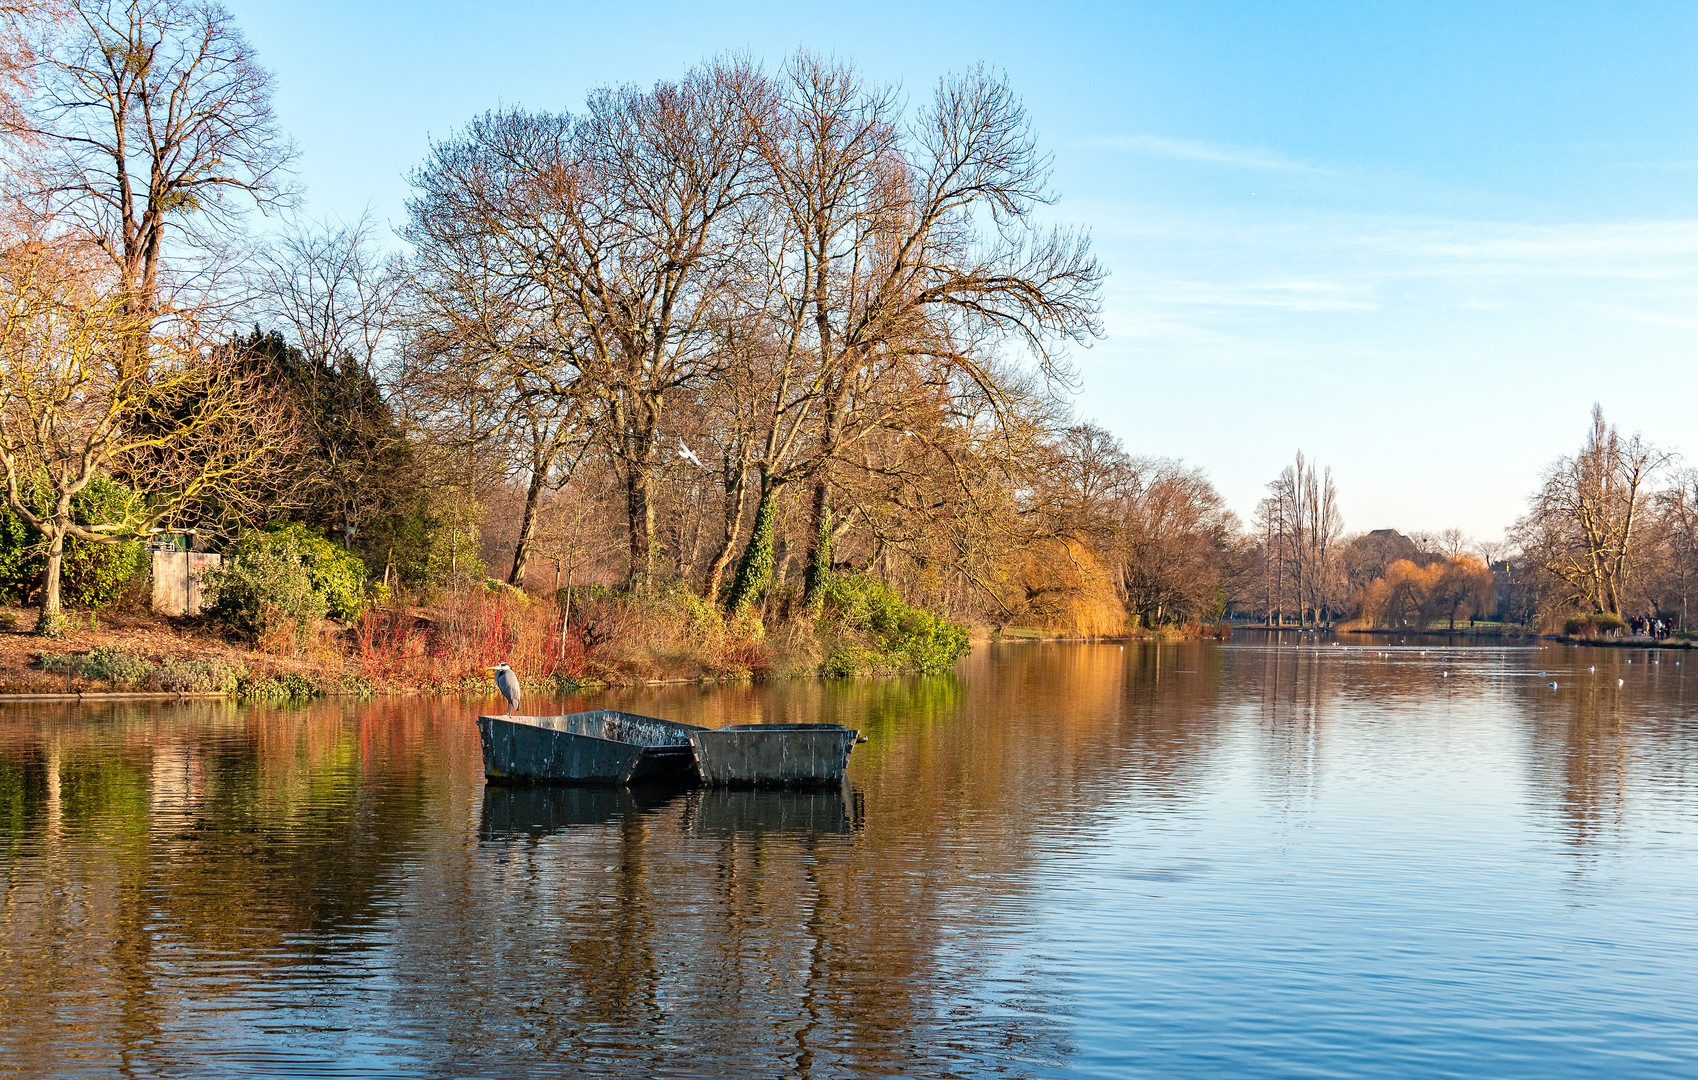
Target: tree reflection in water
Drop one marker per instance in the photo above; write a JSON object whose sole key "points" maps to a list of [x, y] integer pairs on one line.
{"points": [[199, 885]]}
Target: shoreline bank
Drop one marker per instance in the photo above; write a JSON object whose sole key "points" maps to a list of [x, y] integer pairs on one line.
{"points": [[1618, 643]]}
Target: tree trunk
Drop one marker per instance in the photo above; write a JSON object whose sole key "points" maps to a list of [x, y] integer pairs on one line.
{"points": [[736, 496], [754, 572], [819, 543], [819, 513], [527, 530], [639, 509], [51, 622]]}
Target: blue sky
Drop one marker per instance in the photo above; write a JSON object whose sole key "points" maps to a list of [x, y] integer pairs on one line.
{"points": [[1416, 241]]}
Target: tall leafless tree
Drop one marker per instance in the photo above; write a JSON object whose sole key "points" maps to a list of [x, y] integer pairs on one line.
{"points": [[955, 242], [1586, 528], [608, 241], [154, 132]]}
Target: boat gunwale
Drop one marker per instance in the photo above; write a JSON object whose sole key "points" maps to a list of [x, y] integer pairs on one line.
{"points": [[792, 728], [645, 747]]}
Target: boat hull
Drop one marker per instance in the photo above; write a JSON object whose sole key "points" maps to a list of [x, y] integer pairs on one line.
{"points": [[773, 755], [600, 747]]}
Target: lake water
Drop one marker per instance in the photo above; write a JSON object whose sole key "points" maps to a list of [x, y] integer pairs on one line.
{"points": [[1247, 859]]}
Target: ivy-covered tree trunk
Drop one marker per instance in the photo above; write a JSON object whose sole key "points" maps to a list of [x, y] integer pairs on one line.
{"points": [[51, 622], [819, 552], [754, 573], [527, 531]]}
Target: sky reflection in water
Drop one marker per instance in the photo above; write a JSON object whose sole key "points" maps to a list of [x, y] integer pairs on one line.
{"points": [[1083, 860]]}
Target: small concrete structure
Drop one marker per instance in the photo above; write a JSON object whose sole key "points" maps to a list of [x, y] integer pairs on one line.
{"points": [[176, 580], [774, 755]]}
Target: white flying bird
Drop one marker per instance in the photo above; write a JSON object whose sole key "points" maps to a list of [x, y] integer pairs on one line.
{"points": [[689, 455]]}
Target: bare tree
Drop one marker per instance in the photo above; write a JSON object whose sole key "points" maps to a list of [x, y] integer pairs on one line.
{"points": [[955, 257], [1175, 536], [1678, 510], [337, 296], [1454, 542], [155, 130], [337, 301], [78, 399], [1586, 526], [25, 26], [608, 242], [1303, 525]]}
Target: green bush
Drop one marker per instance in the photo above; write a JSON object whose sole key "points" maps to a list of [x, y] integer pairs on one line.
{"points": [[263, 589], [853, 660], [286, 687], [197, 677], [1600, 624], [338, 576], [899, 637], [92, 575], [100, 665], [701, 619]]}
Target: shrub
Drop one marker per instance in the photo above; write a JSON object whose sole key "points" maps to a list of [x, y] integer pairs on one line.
{"points": [[742, 658], [473, 628], [100, 665], [853, 660], [701, 618], [197, 677], [338, 577], [903, 637], [264, 589], [1599, 624], [287, 686], [92, 575]]}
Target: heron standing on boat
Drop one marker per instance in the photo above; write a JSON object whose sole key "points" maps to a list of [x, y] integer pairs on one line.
{"points": [[508, 683]]}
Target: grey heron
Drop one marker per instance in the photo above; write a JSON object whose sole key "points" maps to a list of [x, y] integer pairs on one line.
{"points": [[508, 683]]}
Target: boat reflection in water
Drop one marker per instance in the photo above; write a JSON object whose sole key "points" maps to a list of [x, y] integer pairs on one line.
{"points": [[512, 813], [728, 812]]}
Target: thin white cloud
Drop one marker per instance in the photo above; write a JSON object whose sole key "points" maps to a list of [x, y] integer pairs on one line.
{"points": [[1236, 157], [1650, 318], [1601, 245], [1286, 295], [1318, 247]]}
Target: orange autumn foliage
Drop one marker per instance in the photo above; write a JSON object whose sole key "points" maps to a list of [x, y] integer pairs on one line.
{"points": [[1067, 591], [1412, 597]]}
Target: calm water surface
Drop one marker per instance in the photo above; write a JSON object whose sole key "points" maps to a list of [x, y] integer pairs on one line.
{"points": [[1303, 859]]}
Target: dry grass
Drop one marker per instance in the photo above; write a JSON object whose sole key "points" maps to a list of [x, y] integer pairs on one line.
{"points": [[151, 637], [448, 647]]}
